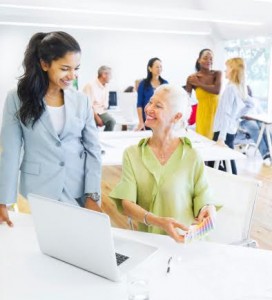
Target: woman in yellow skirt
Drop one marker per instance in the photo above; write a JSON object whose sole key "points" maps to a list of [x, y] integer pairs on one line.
{"points": [[206, 83]]}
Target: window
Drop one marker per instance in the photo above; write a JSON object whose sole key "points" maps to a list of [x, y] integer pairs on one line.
{"points": [[256, 53]]}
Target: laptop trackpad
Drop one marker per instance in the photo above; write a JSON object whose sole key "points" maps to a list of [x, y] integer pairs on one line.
{"points": [[136, 251]]}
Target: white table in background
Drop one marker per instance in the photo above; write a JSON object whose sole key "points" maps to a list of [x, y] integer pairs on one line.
{"points": [[122, 119], [114, 143], [266, 121], [203, 270]]}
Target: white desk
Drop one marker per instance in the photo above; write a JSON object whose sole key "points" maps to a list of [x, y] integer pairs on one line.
{"points": [[266, 121], [126, 111], [205, 271], [122, 119], [114, 143]]}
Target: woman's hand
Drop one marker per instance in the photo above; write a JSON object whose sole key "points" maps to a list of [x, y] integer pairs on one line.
{"points": [[98, 121], [4, 217], [194, 80], [207, 211], [92, 205], [170, 226], [140, 126]]}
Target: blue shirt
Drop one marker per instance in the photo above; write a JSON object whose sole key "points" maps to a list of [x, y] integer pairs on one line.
{"points": [[231, 107], [145, 92]]}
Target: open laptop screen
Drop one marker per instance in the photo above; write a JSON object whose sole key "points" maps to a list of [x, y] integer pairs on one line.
{"points": [[112, 99]]}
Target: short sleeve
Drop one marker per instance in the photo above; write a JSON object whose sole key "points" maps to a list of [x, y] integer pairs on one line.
{"points": [[126, 189], [202, 193]]}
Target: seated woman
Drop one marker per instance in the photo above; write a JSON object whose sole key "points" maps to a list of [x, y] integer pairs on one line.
{"points": [[253, 127], [163, 184]]}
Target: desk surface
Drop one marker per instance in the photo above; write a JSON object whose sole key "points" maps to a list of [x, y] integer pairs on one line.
{"points": [[265, 118], [202, 271], [114, 143]]}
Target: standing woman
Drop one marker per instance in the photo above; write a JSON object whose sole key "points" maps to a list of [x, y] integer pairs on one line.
{"points": [[54, 125], [147, 87], [207, 84], [234, 103]]}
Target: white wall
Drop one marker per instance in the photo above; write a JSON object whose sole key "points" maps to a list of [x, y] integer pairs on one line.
{"points": [[126, 53]]}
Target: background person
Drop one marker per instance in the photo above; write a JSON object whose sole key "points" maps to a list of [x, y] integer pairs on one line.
{"points": [[234, 103], [253, 127], [146, 88], [207, 84], [98, 92]]}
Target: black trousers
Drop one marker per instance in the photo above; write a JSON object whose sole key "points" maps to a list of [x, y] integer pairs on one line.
{"points": [[230, 143]]}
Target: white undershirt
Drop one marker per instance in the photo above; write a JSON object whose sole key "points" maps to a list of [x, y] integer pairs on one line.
{"points": [[57, 116]]}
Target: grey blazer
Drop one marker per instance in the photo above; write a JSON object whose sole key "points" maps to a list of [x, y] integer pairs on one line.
{"points": [[49, 162]]}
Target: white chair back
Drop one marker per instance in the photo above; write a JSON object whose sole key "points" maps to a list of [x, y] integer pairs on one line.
{"points": [[238, 195]]}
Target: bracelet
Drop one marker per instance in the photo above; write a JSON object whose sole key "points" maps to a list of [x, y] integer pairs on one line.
{"points": [[145, 220]]}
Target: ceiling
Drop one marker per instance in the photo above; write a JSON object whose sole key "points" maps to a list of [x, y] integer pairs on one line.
{"points": [[220, 19]]}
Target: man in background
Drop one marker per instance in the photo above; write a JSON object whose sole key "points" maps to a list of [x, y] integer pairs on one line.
{"points": [[98, 93]]}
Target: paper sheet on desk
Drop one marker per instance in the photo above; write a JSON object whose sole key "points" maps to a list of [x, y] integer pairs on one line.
{"points": [[198, 141], [202, 144], [119, 143]]}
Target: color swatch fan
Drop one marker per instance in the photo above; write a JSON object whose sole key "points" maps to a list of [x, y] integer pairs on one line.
{"points": [[199, 231]]}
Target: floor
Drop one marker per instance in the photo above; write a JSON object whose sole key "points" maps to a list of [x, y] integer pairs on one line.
{"points": [[261, 229]]}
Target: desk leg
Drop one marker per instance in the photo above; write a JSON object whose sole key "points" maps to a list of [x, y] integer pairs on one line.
{"points": [[268, 139], [216, 164], [228, 166], [124, 127], [260, 137]]}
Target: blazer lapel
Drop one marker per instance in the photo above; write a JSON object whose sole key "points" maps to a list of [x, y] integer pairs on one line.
{"points": [[68, 114], [46, 121]]}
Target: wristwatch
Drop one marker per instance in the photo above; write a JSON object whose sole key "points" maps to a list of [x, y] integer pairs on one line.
{"points": [[95, 196]]}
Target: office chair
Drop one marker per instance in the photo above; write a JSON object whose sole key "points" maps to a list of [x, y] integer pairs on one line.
{"points": [[237, 195]]}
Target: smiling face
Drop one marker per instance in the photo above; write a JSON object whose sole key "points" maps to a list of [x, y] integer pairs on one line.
{"points": [[159, 113], [63, 71], [156, 68], [206, 60]]}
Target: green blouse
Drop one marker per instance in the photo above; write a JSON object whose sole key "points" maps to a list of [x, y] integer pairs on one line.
{"points": [[178, 189]]}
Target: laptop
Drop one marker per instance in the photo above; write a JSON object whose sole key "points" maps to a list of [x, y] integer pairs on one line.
{"points": [[84, 238], [112, 99]]}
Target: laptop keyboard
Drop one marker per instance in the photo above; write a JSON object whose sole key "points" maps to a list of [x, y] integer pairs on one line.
{"points": [[120, 258]]}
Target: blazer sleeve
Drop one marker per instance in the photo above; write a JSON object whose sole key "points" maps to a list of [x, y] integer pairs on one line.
{"points": [[93, 153], [10, 150]]}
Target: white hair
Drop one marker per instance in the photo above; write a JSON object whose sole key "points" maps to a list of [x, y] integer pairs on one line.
{"points": [[178, 100]]}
